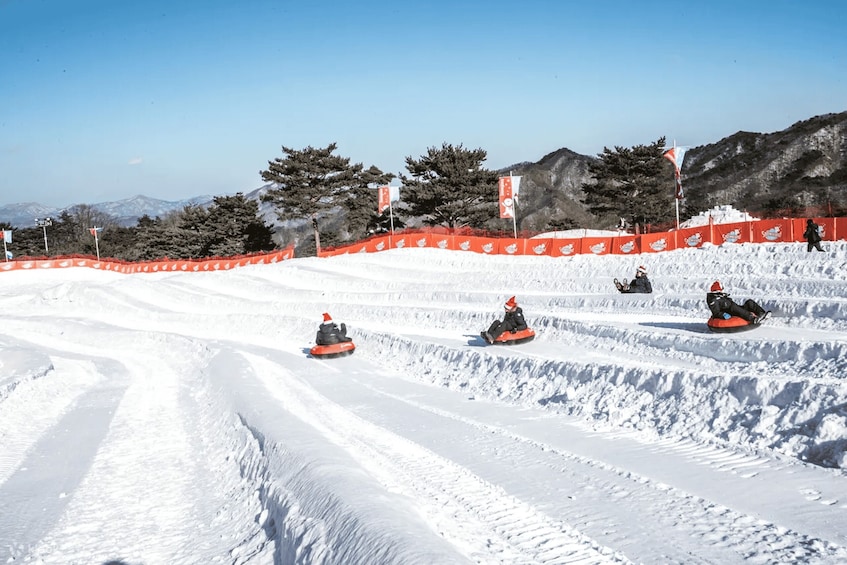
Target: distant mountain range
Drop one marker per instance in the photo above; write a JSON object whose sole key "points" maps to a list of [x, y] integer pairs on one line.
{"points": [[126, 212], [803, 165]]}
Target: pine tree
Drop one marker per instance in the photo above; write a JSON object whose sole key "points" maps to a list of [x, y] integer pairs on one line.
{"points": [[362, 199], [178, 235], [449, 187], [309, 183], [65, 235], [233, 227], [631, 183]]}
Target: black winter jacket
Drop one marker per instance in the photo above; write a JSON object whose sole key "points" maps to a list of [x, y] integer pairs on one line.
{"points": [[719, 302], [640, 285], [329, 333], [515, 320], [812, 233]]}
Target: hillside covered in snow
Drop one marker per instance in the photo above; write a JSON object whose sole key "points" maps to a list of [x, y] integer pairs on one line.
{"points": [[178, 418]]}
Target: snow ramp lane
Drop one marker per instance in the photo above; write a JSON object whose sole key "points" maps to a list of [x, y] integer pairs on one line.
{"points": [[504, 484]]}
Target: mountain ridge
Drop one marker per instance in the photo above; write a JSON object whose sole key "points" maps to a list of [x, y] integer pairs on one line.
{"points": [[801, 166], [125, 212]]}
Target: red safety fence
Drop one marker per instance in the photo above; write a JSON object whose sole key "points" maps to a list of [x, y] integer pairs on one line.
{"points": [[784, 230], [158, 266]]}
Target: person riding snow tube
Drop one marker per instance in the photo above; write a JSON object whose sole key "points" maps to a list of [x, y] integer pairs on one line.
{"points": [[331, 340], [639, 285], [512, 330], [729, 317]]}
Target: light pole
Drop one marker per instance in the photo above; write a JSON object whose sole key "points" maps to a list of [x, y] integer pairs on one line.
{"points": [[43, 223]]}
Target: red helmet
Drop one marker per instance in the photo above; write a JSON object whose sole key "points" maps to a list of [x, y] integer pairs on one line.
{"points": [[327, 317], [716, 287]]}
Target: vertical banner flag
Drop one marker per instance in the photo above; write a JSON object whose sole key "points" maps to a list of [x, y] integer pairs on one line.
{"points": [[675, 155], [387, 195], [94, 232], [509, 189], [6, 236], [384, 200]]}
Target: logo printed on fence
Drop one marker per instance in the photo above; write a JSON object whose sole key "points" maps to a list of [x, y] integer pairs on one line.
{"points": [[694, 240], [540, 249], [732, 237], [659, 245], [628, 247], [567, 249], [465, 245], [773, 234], [598, 248]]}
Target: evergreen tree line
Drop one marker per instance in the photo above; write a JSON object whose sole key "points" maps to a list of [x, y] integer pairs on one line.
{"points": [[229, 226], [321, 199], [449, 186]]}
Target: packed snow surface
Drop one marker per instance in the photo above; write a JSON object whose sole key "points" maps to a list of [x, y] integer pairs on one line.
{"points": [[178, 418]]}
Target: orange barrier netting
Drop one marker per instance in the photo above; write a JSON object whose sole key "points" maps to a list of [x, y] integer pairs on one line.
{"points": [[785, 230], [160, 265]]}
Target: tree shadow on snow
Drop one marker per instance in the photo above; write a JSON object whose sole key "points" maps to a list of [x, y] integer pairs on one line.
{"points": [[115, 562], [694, 327]]}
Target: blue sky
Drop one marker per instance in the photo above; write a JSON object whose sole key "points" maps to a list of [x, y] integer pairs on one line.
{"points": [[103, 100]]}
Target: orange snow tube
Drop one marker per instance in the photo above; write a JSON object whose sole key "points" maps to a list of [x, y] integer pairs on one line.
{"points": [[509, 338], [341, 349], [732, 325]]}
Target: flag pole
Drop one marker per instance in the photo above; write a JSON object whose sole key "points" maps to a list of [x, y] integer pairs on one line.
{"points": [[96, 242], [5, 250], [678, 180], [675, 156], [514, 208], [390, 215], [676, 201]]}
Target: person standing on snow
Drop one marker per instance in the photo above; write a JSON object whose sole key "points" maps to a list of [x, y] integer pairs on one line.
{"points": [[812, 235], [722, 306], [640, 284], [513, 321], [329, 333]]}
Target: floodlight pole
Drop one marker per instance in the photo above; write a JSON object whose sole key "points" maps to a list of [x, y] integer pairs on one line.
{"points": [[43, 223]]}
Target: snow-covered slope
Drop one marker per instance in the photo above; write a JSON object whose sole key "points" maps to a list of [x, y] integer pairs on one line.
{"points": [[178, 418]]}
